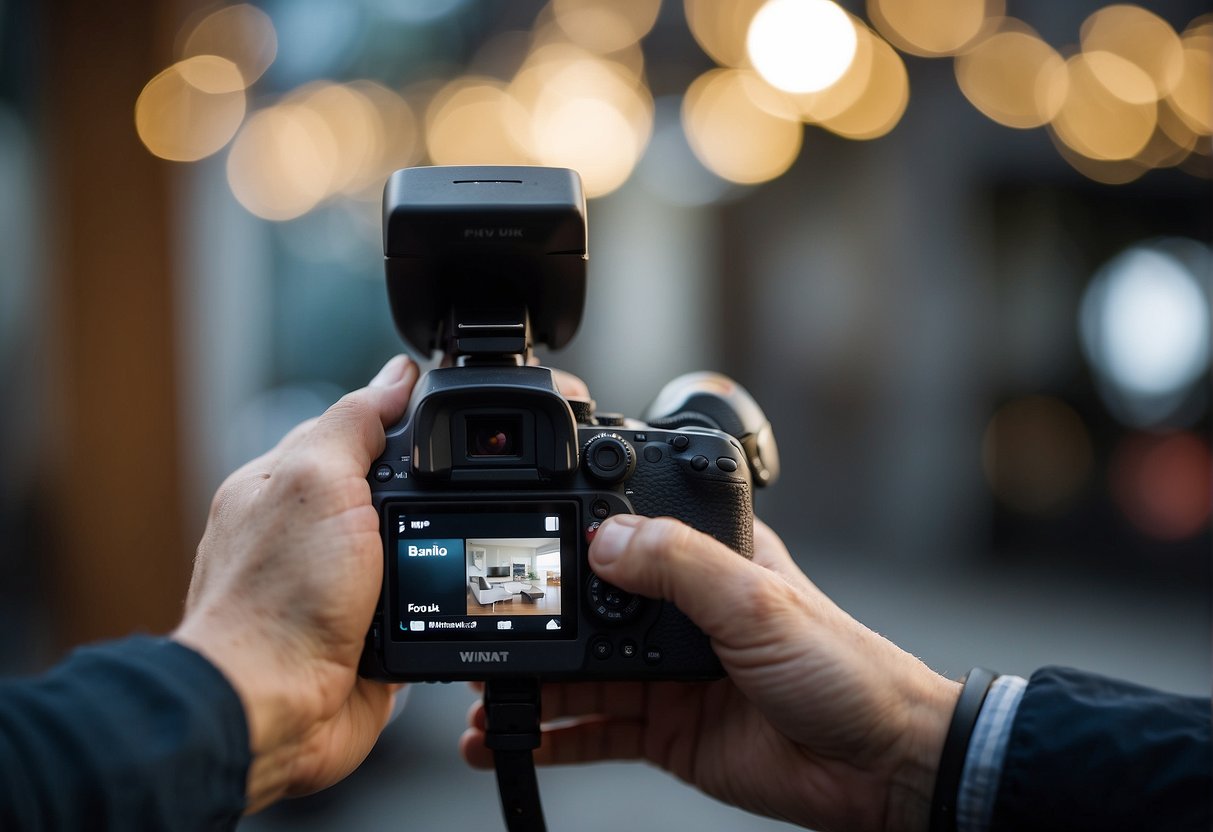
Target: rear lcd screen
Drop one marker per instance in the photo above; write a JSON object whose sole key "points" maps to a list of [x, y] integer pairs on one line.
{"points": [[483, 571]]}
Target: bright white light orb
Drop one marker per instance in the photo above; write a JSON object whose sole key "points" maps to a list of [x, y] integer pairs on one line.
{"points": [[801, 46], [1145, 323]]}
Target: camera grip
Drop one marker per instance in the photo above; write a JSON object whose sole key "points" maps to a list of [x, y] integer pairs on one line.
{"points": [[717, 506]]}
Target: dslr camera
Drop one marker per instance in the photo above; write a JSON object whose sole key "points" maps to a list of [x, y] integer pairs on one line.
{"points": [[491, 488]]}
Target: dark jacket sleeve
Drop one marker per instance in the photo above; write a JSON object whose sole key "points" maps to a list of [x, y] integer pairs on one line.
{"points": [[138, 734], [1091, 753]]}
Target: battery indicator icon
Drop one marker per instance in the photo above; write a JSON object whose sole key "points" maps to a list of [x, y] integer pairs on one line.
{"points": [[551, 523]]}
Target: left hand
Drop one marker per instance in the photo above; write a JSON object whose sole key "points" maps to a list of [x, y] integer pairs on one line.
{"points": [[284, 587]]}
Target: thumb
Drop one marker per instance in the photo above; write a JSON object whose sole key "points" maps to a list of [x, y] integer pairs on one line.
{"points": [[718, 589], [353, 427]]}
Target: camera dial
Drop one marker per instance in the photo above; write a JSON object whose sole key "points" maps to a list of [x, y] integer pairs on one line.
{"points": [[609, 458], [609, 602]]}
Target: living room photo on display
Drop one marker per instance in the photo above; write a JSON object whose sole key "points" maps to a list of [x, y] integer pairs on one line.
{"points": [[513, 576]]}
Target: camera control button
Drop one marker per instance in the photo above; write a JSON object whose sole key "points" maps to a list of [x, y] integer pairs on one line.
{"points": [[680, 442], [727, 464], [640, 437], [652, 655], [601, 509], [384, 473], [614, 420], [590, 531], [600, 648], [652, 453], [627, 648], [699, 463]]}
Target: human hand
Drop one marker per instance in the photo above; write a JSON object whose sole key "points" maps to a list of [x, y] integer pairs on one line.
{"points": [[284, 585], [820, 721]]}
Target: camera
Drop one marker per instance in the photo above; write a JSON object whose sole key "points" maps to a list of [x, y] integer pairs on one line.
{"points": [[491, 488]]}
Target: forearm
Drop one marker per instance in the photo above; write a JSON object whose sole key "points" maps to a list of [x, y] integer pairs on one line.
{"points": [[139, 734], [1087, 752]]}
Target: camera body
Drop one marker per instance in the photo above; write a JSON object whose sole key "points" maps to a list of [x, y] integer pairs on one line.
{"points": [[491, 488]]}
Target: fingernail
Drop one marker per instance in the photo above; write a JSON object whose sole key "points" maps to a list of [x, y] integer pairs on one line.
{"points": [[612, 539], [391, 373]]}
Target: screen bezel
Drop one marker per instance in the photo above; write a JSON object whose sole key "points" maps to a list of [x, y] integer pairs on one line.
{"points": [[569, 512]]}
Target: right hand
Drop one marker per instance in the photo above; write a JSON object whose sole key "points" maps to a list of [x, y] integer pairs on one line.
{"points": [[821, 721]]}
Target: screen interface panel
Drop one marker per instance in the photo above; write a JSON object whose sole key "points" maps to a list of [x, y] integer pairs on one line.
{"points": [[475, 572]]}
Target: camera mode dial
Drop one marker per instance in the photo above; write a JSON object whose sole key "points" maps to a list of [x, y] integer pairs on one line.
{"points": [[609, 602], [608, 458]]}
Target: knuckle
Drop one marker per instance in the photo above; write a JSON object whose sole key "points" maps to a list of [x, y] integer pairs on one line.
{"points": [[352, 407], [664, 538], [762, 596], [301, 472], [226, 497]]}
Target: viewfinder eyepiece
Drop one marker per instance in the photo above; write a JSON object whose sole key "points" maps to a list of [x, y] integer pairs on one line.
{"points": [[494, 436]]}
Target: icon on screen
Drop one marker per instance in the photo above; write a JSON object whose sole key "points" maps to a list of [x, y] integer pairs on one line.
{"points": [[554, 624], [551, 523], [416, 626], [505, 625]]}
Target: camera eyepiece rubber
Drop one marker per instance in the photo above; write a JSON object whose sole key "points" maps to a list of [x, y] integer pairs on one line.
{"points": [[609, 458]]}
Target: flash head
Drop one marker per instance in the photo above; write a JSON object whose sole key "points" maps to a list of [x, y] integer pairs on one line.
{"points": [[485, 258]]}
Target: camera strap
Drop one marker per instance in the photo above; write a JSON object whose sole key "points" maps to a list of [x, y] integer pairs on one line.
{"points": [[511, 708]]}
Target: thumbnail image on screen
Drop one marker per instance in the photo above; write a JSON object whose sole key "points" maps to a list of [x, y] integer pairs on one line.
{"points": [[513, 576]]}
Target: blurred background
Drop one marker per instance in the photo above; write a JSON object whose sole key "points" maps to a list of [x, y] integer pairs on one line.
{"points": [[958, 249]]}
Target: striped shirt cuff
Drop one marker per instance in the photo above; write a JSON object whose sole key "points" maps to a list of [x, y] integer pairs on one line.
{"points": [[987, 748]]}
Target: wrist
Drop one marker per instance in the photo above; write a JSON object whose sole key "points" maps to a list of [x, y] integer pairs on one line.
{"points": [[928, 714], [276, 711]]}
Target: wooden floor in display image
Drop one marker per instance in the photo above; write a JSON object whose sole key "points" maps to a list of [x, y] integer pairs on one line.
{"points": [[526, 599]]}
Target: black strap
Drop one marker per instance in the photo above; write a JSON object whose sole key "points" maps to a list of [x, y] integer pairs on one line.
{"points": [[511, 708], [956, 746]]}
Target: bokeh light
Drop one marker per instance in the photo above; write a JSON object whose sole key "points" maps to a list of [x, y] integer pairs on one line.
{"points": [[1104, 171], [585, 112], [571, 91], [1095, 122], [932, 27], [734, 137], [1121, 77], [354, 125], [1036, 454], [1013, 76], [1163, 483], [605, 25], [1192, 96], [838, 96], [721, 28], [243, 34], [1171, 143], [1145, 324], [881, 103], [475, 121], [801, 45], [1143, 40], [192, 109], [402, 142], [281, 162]]}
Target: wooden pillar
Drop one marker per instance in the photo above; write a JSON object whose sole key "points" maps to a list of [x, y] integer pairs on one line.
{"points": [[112, 495]]}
